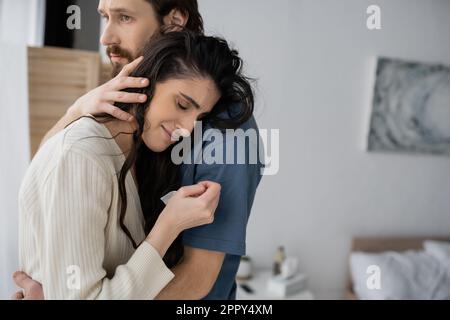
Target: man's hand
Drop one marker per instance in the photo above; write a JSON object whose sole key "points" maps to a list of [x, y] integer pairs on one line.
{"points": [[102, 99], [32, 290]]}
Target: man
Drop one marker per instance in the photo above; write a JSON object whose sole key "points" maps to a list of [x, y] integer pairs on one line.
{"points": [[212, 253]]}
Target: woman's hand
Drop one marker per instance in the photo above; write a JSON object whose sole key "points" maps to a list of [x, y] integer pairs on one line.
{"points": [[193, 206], [190, 207], [102, 99]]}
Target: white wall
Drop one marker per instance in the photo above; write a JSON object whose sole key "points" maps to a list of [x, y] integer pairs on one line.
{"points": [[14, 155], [21, 24], [314, 60], [22, 21]]}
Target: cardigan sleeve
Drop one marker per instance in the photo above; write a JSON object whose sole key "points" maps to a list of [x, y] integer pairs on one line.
{"points": [[78, 197]]}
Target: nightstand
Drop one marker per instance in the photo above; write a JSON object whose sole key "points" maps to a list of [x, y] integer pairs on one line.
{"points": [[258, 283]]}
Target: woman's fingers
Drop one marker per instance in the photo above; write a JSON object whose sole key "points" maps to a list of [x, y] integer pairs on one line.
{"points": [[116, 112], [212, 192], [129, 68], [126, 97], [191, 191]]}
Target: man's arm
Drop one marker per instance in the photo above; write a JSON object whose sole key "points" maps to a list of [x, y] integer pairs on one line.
{"points": [[102, 99], [194, 276], [227, 233]]}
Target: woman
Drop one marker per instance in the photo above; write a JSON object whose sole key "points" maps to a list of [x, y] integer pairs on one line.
{"points": [[92, 225]]}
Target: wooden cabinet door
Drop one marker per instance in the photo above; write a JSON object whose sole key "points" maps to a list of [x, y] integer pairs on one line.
{"points": [[57, 77]]}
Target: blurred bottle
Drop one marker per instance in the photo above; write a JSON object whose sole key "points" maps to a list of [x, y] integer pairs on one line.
{"points": [[279, 258]]}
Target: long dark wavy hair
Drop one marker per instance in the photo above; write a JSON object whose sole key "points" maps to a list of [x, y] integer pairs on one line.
{"points": [[179, 55]]}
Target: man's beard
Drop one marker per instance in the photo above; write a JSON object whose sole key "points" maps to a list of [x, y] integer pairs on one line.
{"points": [[117, 67]]}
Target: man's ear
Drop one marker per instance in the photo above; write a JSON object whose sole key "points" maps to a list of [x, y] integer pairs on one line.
{"points": [[177, 18]]}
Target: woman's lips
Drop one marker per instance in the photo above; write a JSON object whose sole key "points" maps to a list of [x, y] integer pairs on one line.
{"points": [[177, 134]]}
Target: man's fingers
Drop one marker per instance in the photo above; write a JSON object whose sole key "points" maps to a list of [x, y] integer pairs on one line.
{"points": [[129, 82], [129, 68], [126, 97], [17, 296], [22, 280], [32, 290], [116, 112], [36, 293]]}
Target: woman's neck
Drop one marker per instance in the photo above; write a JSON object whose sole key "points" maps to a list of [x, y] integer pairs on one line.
{"points": [[122, 132]]}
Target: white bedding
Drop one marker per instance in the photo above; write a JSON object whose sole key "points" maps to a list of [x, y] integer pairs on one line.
{"points": [[405, 275]]}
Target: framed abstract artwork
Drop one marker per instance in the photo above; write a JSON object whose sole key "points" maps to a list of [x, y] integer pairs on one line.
{"points": [[410, 108]]}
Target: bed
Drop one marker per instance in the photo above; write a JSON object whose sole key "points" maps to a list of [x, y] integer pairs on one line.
{"points": [[382, 244]]}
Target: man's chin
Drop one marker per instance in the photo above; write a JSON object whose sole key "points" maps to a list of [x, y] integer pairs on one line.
{"points": [[116, 68]]}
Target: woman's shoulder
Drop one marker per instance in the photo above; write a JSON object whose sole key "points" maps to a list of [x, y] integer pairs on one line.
{"points": [[85, 140], [82, 128], [80, 146], [88, 135], [85, 137]]}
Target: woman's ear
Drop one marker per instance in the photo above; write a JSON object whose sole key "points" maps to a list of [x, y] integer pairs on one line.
{"points": [[176, 18]]}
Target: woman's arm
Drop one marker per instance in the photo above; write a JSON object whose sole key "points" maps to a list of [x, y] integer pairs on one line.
{"points": [[76, 214], [76, 205]]}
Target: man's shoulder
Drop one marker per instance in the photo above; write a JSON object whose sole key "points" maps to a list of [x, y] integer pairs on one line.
{"points": [[244, 138], [228, 155], [232, 111]]}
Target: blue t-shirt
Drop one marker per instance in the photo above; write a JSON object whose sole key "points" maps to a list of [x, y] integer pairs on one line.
{"points": [[238, 187]]}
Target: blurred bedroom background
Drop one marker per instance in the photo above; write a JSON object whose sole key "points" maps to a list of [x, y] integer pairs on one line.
{"points": [[364, 121]]}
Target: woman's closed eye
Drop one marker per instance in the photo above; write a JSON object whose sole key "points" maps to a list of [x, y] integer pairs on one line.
{"points": [[182, 107]]}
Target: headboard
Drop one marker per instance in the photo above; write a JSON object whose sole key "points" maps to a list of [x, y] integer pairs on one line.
{"points": [[380, 244]]}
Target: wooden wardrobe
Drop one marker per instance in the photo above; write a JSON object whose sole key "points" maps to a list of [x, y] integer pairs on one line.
{"points": [[56, 78]]}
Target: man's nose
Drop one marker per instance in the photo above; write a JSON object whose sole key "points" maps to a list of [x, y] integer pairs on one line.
{"points": [[109, 36]]}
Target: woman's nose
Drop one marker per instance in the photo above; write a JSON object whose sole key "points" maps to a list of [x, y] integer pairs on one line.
{"points": [[187, 124]]}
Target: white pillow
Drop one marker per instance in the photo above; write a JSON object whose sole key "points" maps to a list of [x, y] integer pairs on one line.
{"points": [[403, 275], [438, 249]]}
